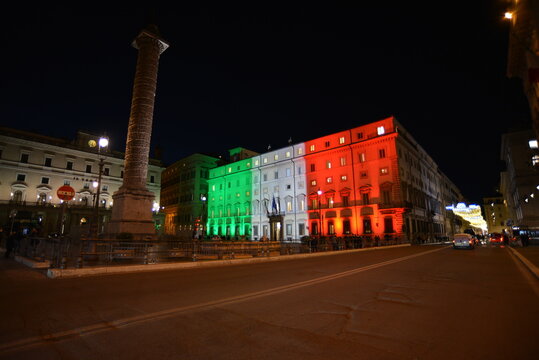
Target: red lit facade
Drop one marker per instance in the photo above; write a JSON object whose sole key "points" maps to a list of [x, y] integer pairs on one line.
{"points": [[353, 182]]}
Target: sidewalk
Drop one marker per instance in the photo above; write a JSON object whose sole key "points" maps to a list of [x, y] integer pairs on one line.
{"points": [[529, 256], [119, 269]]}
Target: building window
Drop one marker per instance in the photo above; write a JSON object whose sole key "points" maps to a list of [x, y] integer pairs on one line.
{"points": [[21, 177], [327, 143], [107, 172], [69, 165], [86, 185], [329, 179], [345, 200], [122, 174], [535, 160], [276, 175], [44, 180], [365, 197], [276, 157], [105, 188], [301, 229], [380, 130], [328, 164], [67, 182], [88, 168], [255, 230], [386, 197], [363, 174], [24, 158], [382, 153], [288, 186], [343, 161], [313, 167], [330, 203], [313, 182], [48, 162], [265, 177], [265, 160], [300, 151], [256, 164], [289, 229], [341, 140], [287, 154], [533, 144], [359, 136], [362, 157], [312, 147], [344, 178], [289, 205], [384, 171]]}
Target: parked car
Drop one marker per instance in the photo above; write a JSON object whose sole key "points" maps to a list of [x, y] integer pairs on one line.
{"points": [[496, 239], [463, 241]]}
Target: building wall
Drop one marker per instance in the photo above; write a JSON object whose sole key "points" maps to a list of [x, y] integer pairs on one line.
{"points": [[521, 179], [183, 189], [33, 167]]}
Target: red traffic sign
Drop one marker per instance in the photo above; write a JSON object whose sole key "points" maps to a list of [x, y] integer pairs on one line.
{"points": [[66, 192]]}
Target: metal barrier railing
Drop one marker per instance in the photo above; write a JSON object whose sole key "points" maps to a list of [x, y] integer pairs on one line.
{"points": [[64, 252]]}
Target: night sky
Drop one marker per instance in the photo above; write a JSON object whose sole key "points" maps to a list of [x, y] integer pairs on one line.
{"points": [[257, 75]]}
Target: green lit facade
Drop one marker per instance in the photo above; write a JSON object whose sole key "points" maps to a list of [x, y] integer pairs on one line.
{"points": [[229, 200]]}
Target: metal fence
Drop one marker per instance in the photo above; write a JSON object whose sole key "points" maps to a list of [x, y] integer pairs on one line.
{"points": [[65, 252]]}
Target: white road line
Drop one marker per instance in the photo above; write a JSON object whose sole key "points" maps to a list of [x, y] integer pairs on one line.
{"points": [[134, 320]]}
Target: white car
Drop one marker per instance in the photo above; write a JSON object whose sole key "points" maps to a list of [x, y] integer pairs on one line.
{"points": [[463, 241]]}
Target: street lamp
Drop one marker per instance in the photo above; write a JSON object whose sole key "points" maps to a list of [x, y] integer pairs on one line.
{"points": [[103, 142], [202, 224], [319, 192]]}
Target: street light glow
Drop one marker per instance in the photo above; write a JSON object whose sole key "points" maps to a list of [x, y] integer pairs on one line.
{"points": [[508, 15], [103, 142]]}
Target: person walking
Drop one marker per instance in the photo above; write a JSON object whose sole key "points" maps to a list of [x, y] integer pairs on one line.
{"points": [[10, 244]]}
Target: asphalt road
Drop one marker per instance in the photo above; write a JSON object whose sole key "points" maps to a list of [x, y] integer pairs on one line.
{"points": [[418, 302]]}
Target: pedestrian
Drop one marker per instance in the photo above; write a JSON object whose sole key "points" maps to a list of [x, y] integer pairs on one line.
{"points": [[10, 244], [505, 238], [525, 239]]}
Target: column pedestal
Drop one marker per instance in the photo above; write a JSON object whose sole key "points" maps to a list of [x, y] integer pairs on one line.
{"points": [[132, 213]]}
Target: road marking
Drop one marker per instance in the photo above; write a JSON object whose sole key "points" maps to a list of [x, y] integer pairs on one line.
{"points": [[528, 270], [133, 320]]}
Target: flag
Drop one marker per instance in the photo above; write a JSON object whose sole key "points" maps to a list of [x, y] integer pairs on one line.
{"points": [[290, 141], [274, 206], [269, 147]]}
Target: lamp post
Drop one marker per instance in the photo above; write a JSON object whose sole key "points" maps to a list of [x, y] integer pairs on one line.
{"points": [[319, 192], [103, 142], [202, 224]]}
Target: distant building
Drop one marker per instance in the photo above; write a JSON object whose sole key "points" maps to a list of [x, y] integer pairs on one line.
{"points": [[34, 166], [496, 214], [184, 190], [373, 180], [520, 183]]}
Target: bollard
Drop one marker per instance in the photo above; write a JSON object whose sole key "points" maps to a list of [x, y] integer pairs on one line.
{"points": [[79, 262], [194, 257], [145, 259], [63, 262]]}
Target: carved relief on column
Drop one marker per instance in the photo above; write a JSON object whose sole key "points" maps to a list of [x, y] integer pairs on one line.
{"points": [[142, 106]]}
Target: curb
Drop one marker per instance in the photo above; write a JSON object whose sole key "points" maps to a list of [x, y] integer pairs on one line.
{"points": [[533, 269], [110, 270]]}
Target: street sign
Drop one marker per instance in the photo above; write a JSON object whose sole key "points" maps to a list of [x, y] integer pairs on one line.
{"points": [[66, 192]]}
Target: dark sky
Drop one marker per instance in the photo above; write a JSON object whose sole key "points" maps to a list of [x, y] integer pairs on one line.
{"points": [[256, 75]]}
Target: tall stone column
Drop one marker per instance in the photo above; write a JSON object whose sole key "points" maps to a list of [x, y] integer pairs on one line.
{"points": [[132, 207]]}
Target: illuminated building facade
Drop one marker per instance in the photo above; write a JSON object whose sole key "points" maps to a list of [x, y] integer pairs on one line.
{"points": [[280, 194], [184, 188], [229, 197], [496, 214], [372, 180], [34, 166]]}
